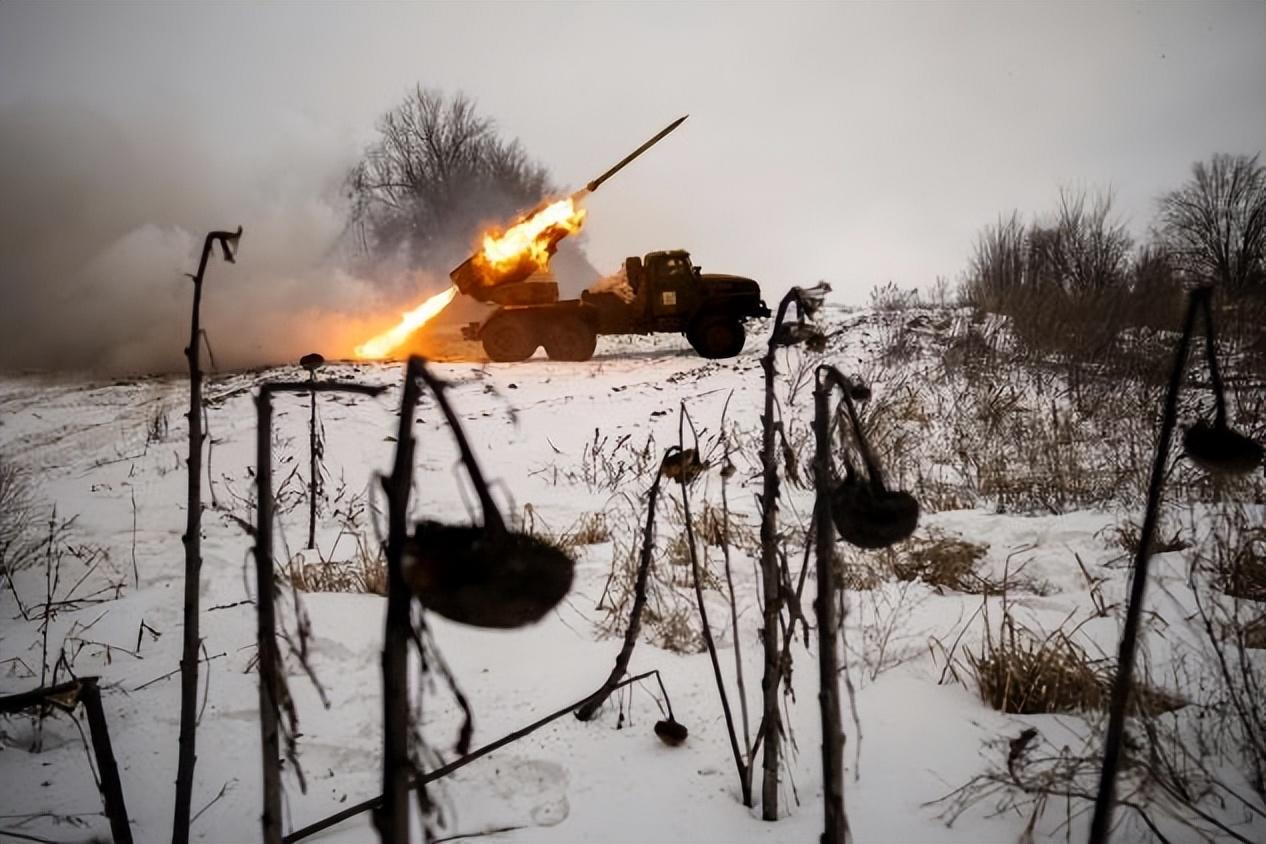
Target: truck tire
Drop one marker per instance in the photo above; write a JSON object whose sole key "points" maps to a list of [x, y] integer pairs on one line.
{"points": [[717, 336], [570, 339], [507, 339]]}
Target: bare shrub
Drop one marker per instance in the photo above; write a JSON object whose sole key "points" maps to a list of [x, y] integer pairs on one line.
{"points": [[881, 616], [889, 297], [610, 465], [670, 620], [20, 515], [997, 264], [1072, 291], [1164, 785]]}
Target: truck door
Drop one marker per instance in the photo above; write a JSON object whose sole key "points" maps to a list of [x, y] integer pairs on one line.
{"points": [[671, 294]]}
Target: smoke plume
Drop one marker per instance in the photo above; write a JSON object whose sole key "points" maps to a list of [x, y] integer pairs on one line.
{"points": [[100, 223]]}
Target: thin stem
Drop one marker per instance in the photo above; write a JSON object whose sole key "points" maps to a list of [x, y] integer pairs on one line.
{"points": [[1101, 823], [492, 516], [739, 764], [391, 817], [456, 764], [590, 706], [835, 820], [734, 623]]}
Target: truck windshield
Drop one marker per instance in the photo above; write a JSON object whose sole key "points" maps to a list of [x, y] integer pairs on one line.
{"points": [[676, 267]]}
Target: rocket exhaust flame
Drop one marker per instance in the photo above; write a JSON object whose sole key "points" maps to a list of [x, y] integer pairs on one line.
{"points": [[411, 321], [530, 240], [534, 237]]}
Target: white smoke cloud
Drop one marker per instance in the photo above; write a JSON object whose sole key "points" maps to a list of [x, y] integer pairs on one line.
{"points": [[100, 223]]}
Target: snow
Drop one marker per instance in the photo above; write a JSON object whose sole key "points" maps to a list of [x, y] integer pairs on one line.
{"points": [[549, 437]]}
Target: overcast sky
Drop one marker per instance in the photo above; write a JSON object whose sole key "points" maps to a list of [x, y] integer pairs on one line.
{"points": [[852, 142]]}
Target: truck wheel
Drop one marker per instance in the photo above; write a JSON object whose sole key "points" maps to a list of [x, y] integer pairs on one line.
{"points": [[507, 339], [570, 339], [717, 336]]}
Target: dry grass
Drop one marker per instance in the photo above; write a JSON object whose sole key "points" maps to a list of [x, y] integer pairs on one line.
{"points": [[367, 574], [978, 425], [1127, 536], [676, 555], [858, 572], [669, 620], [675, 629], [1243, 570], [1112, 329], [943, 561], [1022, 672], [711, 529], [588, 529], [937, 559], [890, 297]]}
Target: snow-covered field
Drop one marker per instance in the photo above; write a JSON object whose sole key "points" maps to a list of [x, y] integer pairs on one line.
{"points": [[560, 442]]}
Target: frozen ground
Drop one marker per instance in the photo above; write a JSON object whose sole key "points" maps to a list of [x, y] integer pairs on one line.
{"points": [[99, 447]]}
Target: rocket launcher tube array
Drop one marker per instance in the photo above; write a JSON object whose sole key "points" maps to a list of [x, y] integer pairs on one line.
{"points": [[473, 278]]}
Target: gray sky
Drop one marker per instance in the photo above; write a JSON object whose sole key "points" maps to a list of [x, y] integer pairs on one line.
{"points": [[852, 142]]}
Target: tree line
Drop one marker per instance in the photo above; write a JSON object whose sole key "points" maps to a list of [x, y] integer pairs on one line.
{"points": [[1211, 230]]}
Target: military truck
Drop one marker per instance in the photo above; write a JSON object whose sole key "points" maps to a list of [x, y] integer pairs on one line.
{"points": [[664, 293]]}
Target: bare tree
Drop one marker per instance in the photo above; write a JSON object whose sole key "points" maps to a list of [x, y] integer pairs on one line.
{"points": [[1215, 224], [1084, 251], [437, 173]]}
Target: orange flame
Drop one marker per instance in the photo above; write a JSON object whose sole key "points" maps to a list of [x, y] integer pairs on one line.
{"points": [[534, 237], [411, 321]]}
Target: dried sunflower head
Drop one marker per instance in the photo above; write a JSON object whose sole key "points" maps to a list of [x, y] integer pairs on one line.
{"points": [[869, 516], [485, 578], [1219, 450], [683, 466], [671, 732]]}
